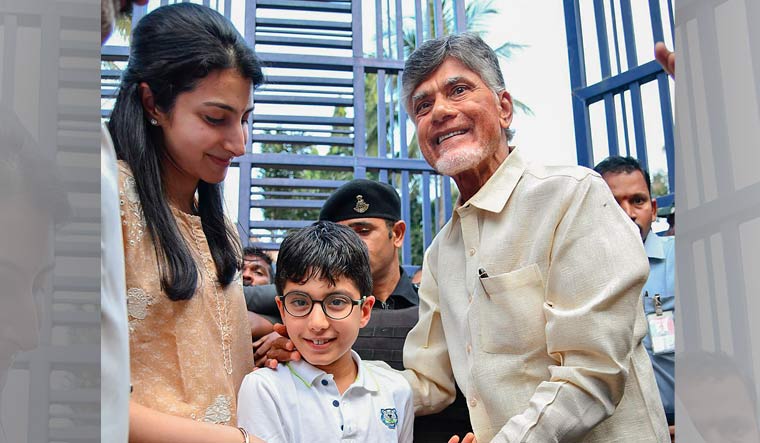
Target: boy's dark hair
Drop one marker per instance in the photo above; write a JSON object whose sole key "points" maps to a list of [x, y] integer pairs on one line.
{"points": [[616, 164], [324, 250]]}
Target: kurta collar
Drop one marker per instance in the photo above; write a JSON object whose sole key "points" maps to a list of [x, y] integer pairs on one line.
{"points": [[493, 195]]}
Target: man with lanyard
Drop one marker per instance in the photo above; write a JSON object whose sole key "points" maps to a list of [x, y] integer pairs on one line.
{"points": [[631, 186]]}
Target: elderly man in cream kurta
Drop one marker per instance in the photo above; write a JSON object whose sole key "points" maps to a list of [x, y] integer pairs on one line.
{"points": [[530, 294]]}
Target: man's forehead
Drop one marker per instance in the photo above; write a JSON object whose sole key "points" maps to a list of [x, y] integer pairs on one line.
{"points": [[370, 221], [253, 259], [625, 177], [453, 69]]}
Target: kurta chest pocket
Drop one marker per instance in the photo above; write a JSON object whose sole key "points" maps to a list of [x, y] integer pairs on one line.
{"points": [[510, 311]]}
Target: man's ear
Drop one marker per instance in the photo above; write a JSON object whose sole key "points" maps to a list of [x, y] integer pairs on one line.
{"points": [[367, 310], [654, 209], [506, 108], [149, 104], [399, 229]]}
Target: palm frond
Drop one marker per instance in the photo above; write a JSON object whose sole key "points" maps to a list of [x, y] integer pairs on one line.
{"points": [[508, 49], [522, 107]]}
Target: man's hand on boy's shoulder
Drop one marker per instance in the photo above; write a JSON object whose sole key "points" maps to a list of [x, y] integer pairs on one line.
{"points": [[469, 438], [274, 348]]}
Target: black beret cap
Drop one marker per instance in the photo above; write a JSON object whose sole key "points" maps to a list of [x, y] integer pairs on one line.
{"points": [[361, 198]]}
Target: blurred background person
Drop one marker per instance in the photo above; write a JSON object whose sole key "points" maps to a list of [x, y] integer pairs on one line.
{"points": [[33, 202], [257, 267]]}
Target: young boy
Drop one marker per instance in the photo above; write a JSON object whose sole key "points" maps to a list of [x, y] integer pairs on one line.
{"points": [[323, 286]]}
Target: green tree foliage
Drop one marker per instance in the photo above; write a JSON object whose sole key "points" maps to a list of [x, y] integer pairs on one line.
{"points": [[660, 184]]}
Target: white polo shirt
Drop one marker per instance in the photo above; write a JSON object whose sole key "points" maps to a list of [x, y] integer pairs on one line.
{"points": [[299, 403]]}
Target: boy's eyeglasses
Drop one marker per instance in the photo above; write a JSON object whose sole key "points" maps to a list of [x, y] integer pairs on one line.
{"points": [[335, 306]]}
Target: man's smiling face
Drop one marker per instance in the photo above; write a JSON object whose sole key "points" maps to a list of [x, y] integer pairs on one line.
{"points": [[460, 121]]}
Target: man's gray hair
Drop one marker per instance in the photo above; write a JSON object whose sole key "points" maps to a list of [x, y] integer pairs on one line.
{"points": [[466, 47]]}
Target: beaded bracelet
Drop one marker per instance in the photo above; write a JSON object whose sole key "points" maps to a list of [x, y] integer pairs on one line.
{"points": [[246, 437]]}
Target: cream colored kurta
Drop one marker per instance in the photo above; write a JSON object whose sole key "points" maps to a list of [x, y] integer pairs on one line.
{"points": [[547, 347], [180, 361]]}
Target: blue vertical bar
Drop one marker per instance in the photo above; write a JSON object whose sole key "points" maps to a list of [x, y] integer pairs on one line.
{"points": [[250, 23], [611, 120], [636, 106], [420, 26], [404, 148], [447, 205], [379, 29], [244, 167], [436, 203], [426, 228], [228, 9], [602, 38], [604, 63], [460, 18], [624, 113], [667, 128], [628, 33], [138, 11], [382, 138], [656, 18], [358, 85], [406, 214], [578, 81], [438, 17], [663, 86], [670, 19], [638, 125]]}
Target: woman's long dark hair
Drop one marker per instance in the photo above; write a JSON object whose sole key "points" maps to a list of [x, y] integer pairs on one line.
{"points": [[173, 48]]}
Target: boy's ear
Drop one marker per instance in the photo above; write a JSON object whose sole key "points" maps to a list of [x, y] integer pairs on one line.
{"points": [[367, 310], [279, 307]]}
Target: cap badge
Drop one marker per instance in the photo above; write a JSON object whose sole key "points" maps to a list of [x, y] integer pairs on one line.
{"points": [[361, 206]]}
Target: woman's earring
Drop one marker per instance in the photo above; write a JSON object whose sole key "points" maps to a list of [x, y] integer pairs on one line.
{"points": [[154, 122]]}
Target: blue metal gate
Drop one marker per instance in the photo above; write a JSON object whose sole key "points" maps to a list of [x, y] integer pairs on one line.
{"points": [[621, 82], [332, 98]]}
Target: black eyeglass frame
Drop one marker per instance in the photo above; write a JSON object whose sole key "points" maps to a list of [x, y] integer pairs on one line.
{"points": [[321, 302]]}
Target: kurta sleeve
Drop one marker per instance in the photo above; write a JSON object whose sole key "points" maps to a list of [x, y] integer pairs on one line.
{"points": [[426, 356], [593, 287]]}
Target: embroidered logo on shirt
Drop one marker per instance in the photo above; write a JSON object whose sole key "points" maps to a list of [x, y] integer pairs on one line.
{"points": [[389, 417], [361, 206]]}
